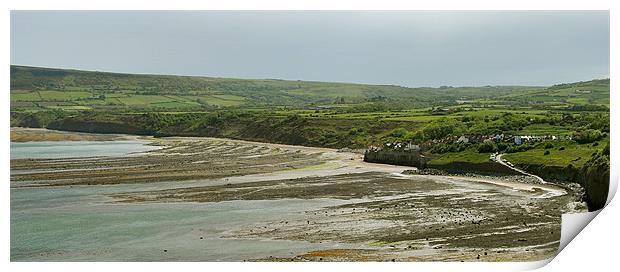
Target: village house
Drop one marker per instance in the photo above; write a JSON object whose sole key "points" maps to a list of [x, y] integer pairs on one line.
{"points": [[463, 140], [520, 139], [412, 147]]}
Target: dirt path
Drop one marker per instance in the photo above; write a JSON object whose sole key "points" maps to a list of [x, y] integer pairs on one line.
{"points": [[499, 159]]}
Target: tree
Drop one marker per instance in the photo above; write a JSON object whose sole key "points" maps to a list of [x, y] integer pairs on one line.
{"points": [[587, 136], [440, 128]]}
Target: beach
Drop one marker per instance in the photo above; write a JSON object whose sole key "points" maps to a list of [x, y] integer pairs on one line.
{"points": [[307, 203]]}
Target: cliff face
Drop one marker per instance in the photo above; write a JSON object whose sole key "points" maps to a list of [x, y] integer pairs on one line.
{"points": [[486, 168], [333, 133], [553, 173], [69, 124], [593, 176], [595, 179]]}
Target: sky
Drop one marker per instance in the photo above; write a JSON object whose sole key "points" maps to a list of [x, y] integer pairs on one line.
{"points": [[407, 48]]}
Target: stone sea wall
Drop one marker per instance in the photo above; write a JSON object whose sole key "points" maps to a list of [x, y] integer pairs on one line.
{"points": [[406, 158]]}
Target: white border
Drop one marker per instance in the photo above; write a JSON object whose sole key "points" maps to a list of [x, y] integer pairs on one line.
{"points": [[597, 245], [312, 5]]}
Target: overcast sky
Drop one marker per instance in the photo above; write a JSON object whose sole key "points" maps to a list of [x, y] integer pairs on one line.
{"points": [[403, 48]]}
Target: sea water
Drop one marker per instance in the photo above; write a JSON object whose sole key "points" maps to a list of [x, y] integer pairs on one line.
{"points": [[80, 223], [73, 149], [83, 223]]}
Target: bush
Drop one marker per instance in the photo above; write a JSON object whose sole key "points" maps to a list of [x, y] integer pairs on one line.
{"points": [[561, 148], [548, 145], [356, 131], [547, 152], [398, 133], [487, 147], [501, 146]]}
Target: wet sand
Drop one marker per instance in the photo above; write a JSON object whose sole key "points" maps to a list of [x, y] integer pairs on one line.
{"points": [[376, 213]]}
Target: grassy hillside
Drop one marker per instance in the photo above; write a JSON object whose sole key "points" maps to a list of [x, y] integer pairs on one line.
{"points": [[35, 88]]}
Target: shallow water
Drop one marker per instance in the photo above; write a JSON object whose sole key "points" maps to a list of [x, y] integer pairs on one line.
{"points": [[75, 149], [79, 223]]}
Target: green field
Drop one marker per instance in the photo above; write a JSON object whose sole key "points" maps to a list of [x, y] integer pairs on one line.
{"points": [[574, 154], [63, 95], [25, 96], [144, 99], [467, 156]]}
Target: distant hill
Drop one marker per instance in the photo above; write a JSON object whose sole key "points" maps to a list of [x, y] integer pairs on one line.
{"points": [[49, 88], [594, 92], [102, 89]]}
